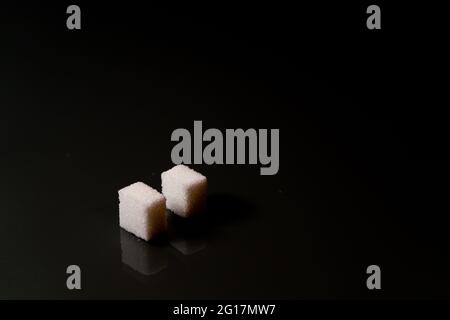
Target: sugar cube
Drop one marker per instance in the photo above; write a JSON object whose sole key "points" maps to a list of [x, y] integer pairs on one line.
{"points": [[184, 189], [142, 211]]}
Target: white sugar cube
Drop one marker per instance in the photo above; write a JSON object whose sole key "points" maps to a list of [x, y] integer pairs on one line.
{"points": [[184, 189], [142, 211]]}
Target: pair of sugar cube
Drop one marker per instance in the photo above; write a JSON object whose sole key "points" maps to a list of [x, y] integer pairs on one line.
{"points": [[142, 209]]}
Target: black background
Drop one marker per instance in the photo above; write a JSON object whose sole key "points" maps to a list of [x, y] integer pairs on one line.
{"points": [[85, 113]]}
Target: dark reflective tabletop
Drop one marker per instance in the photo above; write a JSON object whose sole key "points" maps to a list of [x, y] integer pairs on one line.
{"points": [[83, 115]]}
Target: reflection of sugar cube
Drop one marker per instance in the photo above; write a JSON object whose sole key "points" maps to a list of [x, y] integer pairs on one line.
{"points": [[145, 258], [184, 189], [188, 246], [142, 210]]}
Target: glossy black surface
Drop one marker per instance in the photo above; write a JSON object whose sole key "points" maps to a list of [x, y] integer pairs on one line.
{"points": [[86, 113]]}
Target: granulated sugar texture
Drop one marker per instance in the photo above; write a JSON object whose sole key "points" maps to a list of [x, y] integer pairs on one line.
{"points": [[142, 211], [184, 189]]}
